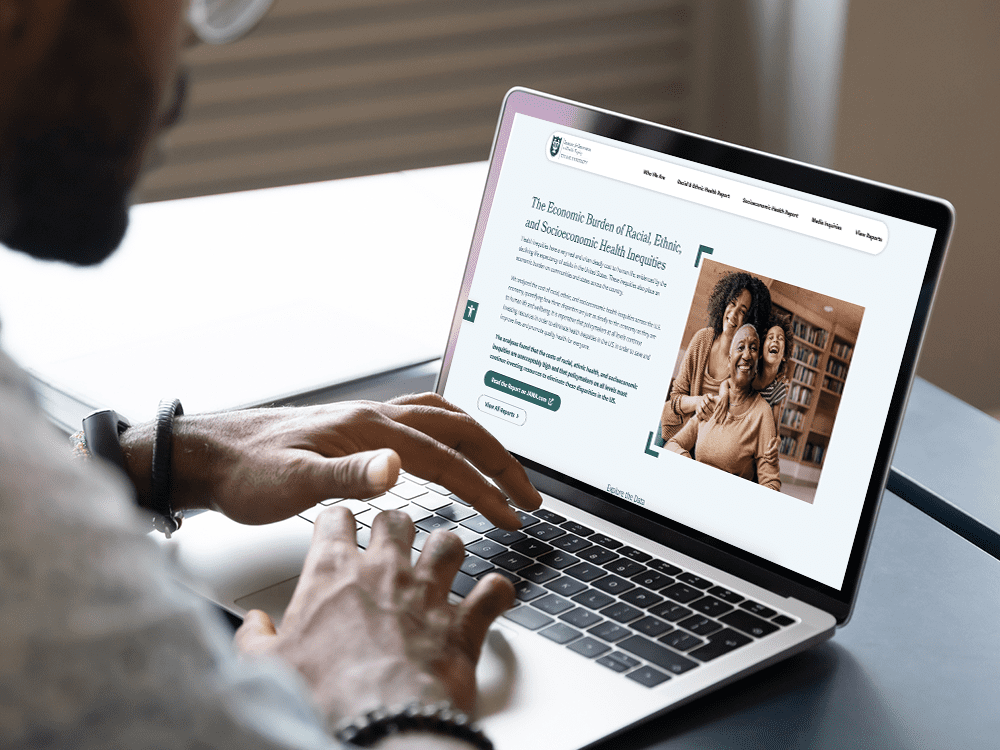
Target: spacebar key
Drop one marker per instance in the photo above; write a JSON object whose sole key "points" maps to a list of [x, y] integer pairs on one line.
{"points": [[657, 654]]}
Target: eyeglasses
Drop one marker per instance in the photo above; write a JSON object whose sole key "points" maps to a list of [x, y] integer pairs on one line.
{"points": [[223, 21]]}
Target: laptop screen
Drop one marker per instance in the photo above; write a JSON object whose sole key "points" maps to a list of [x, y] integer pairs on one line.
{"points": [[689, 329]]}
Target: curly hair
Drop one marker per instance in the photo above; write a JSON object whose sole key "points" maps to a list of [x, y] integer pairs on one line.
{"points": [[728, 288], [785, 323]]}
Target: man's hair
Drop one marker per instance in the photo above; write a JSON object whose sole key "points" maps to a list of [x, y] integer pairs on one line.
{"points": [[728, 288]]}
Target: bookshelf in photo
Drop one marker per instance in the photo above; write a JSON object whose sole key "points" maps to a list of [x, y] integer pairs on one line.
{"points": [[819, 357]]}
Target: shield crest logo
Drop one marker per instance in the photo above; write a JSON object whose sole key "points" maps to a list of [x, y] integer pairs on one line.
{"points": [[556, 143]]}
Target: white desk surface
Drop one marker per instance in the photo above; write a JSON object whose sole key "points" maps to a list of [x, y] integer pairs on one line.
{"points": [[235, 299]]}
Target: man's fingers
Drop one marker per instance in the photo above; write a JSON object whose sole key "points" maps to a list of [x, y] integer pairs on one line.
{"points": [[463, 434], [359, 475], [334, 541], [256, 632], [489, 599], [437, 565], [392, 529]]}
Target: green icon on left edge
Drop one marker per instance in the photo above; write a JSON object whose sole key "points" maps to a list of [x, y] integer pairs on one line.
{"points": [[471, 308]]}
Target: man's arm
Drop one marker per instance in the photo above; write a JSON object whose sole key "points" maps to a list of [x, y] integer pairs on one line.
{"points": [[263, 465]]}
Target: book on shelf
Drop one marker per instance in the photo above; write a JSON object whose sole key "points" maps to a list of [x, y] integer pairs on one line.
{"points": [[835, 368], [813, 453], [842, 350], [792, 418], [806, 332], [803, 374], [788, 445], [833, 385], [805, 355]]}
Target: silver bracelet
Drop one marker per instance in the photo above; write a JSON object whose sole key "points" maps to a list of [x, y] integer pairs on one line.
{"points": [[436, 718]]}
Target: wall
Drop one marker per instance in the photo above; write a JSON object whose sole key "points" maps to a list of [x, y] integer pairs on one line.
{"points": [[919, 107]]}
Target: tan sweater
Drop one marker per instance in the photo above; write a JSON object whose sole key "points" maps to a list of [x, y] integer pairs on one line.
{"points": [[690, 381], [737, 445]]}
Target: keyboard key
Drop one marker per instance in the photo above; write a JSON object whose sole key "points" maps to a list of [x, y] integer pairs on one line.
{"points": [[479, 524], [700, 625], [457, 513], [468, 536], [558, 559], [548, 515], [634, 554], [510, 560], [755, 608], [530, 618], [505, 537], [408, 490], [641, 598], [514, 579], [476, 566], [544, 531], [613, 584], [726, 595], [597, 555], [659, 655], [455, 498], [670, 612], [531, 547], [747, 623], [431, 501], [525, 591], [526, 519], [462, 584], [621, 612], [538, 573], [783, 621], [605, 541], [681, 641], [364, 537], [438, 488], [624, 661], [366, 517], [593, 599], [419, 539], [623, 567], [566, 586], [485, 548], [680, 592], [720, 643], [414, 478], [415, 512], [585, 572], [588, 647], [552, 604], [711, 606], [388, 501], [581, 618], [577, 528], [648, 676], [571, 543], [662, 566], [608, 631], [651, 626], [692, 580], [561, 633], [652, 581], [433, 523]]}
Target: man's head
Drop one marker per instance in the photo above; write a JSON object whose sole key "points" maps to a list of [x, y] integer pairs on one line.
{"points": [[84, 85]]}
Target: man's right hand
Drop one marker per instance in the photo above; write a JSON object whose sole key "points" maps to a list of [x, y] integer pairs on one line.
{"points": [[367, 629]]}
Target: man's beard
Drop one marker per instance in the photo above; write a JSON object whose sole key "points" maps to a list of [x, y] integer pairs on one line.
{"points": [[74, 139]]}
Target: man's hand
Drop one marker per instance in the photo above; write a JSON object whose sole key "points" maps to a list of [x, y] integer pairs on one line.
{"points": [[365, 629], [705, 407], [263, 465]]}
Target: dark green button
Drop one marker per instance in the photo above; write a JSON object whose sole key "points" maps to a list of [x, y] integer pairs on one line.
{"points": [[530, 393]]}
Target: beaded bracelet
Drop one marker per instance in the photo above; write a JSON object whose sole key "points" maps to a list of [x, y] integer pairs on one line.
{"points": [[436, 718]]}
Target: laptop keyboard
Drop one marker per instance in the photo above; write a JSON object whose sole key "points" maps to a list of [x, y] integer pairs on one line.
{"points": [[604, 600]]}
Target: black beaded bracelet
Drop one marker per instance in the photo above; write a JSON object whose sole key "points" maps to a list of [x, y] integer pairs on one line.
{"points": [[436, 718], [165, 520]]}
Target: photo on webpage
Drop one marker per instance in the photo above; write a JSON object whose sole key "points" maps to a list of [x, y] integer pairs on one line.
{"points": [[759, 378]]}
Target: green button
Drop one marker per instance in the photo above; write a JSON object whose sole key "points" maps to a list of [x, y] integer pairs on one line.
{"points": [[530, 393]]}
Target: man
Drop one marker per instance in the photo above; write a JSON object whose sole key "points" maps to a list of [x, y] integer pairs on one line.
{"points": [[99, 646]]}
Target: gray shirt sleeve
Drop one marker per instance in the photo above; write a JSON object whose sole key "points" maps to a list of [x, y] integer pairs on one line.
{"points": [[100, 645]]}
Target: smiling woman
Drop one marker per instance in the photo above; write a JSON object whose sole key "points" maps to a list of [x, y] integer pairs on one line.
{"points": [[742, 441]]}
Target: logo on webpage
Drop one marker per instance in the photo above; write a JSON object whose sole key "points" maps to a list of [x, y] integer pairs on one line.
{"points": [[556, 143]]}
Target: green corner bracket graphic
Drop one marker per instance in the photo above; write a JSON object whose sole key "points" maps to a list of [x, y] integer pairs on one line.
{"points": [[702, 249], [649, 448]]}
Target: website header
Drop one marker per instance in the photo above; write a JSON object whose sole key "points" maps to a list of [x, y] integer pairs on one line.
{"points": [[759, 204]]}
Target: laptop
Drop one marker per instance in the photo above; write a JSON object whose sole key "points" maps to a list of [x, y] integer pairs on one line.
{"points": [[670, 557]]}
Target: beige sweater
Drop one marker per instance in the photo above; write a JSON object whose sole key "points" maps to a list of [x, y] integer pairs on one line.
{"points": [[690, 381], [737, 445]]}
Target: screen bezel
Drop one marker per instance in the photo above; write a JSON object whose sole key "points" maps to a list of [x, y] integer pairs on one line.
{"points": [[786, 173]]}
